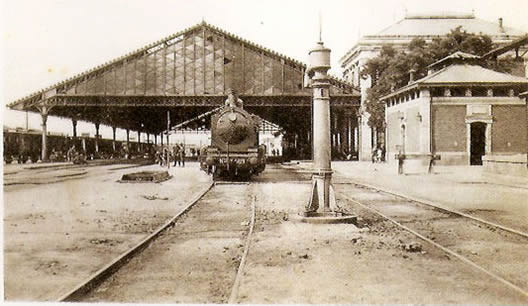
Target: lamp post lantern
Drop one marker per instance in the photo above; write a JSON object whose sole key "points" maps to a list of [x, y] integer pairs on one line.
{"points": [[321, 206], [322, 200]]}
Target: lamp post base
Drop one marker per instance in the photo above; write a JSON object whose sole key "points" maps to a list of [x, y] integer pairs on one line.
{"points": [[325, 218], [322, 197], [322, 207]]}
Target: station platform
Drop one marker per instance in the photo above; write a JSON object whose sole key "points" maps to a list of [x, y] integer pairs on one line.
{"points": [[497, 198]]}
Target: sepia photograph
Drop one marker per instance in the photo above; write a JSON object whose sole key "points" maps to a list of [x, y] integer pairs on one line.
{"points": [[264, 152]]}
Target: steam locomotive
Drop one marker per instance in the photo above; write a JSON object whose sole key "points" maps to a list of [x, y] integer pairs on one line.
{"points": [[234, 152]]}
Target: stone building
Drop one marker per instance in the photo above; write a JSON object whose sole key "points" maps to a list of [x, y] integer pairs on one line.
{"points": [[463, 113], [399, 35]]}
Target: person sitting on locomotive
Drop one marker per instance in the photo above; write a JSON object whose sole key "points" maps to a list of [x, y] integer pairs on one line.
{"points": [[233, 100]]}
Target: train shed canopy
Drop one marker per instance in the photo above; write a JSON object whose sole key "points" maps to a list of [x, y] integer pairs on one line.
{"points": [[190, 71]]}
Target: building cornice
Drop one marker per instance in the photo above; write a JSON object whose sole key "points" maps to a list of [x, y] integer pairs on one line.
{"points": [[477, 100], [375, 42]]}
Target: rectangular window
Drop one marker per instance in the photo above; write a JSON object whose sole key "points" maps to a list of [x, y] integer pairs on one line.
{"points": [[479, 92], [500, 91], [458, 92], [437, 92]]}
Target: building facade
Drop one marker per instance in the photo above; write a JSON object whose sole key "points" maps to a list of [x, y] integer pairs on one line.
{"points": [[399, 35], [463, 113]]}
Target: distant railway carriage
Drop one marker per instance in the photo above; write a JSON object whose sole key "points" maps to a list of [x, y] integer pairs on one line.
{"points": [[234, 151], [23, 146], [26, 145]]}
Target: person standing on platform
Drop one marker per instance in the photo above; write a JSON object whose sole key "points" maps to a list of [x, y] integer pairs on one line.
{"points": [[379, 153], [158, 158], [165, 157], [71, 153], [176, 153], [182, 155]]}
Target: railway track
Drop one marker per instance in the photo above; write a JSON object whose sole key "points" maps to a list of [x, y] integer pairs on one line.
{"points": [[496, 251], [167, 266]]}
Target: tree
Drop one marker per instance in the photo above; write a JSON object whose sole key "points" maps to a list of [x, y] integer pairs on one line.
{"points": [[390, 69]]}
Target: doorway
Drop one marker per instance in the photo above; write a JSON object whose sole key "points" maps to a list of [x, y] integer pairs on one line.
{"points": [[477, 143], [402, 139]]}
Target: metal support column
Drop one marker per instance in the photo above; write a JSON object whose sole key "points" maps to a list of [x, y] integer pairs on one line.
{"points": [[139, 141], [44, 114], [114, 137], [97, 124], [349, 133], [74, 124], [168, 130]]}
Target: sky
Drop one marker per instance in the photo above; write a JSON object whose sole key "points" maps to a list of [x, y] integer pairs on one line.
{"points": [[46, 41]]}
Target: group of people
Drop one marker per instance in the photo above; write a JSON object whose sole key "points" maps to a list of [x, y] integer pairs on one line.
{"points": [[77, 157], [177, 156]]}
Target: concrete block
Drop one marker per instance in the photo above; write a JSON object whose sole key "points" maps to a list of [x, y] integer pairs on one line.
{"points": [[507, 164], [415, 163]]}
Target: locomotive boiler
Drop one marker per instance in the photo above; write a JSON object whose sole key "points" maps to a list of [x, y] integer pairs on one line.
{"points": [[234, 151]]}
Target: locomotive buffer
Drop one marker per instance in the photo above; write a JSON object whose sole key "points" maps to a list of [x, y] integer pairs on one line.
{"points": [[321, 207]]}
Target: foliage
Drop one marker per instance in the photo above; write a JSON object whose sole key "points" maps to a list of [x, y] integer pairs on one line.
{"points": [[390, 69]]}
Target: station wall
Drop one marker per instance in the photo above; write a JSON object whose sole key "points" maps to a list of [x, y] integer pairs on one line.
{"points": [[414, 137], [450, 134], [508, 132], [393, 135]]}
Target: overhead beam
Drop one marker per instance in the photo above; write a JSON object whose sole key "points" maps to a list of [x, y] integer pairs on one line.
{"points": [[511, 46], [208, 100]]}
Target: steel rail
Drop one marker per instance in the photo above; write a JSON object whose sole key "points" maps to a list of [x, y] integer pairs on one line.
{"points": [[448, 251], [240, 271], [441, 207], [102, 274]]}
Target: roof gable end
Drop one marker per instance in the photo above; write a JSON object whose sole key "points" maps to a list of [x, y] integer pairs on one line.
{"points": [[148, 61]]}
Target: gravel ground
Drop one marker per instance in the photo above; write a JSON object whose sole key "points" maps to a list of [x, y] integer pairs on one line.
{"points": [[53, 242], [57, 234], [500, 252], [496, 198], [193, 262], [373, 263]]}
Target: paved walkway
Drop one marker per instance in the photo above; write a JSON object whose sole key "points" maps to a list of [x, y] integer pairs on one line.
{"points": [[496, 198], [15, 168]]}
